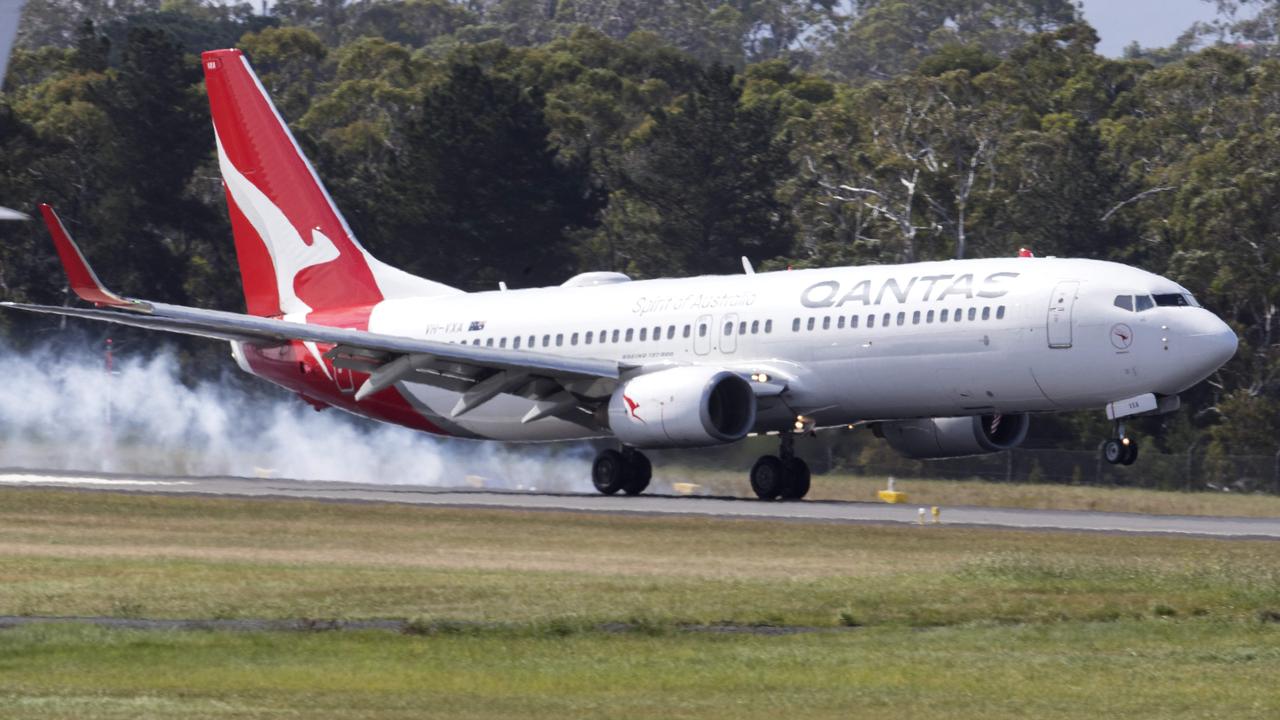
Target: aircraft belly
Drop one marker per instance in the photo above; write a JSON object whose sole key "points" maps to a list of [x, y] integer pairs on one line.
{"points": [[958, 373]]}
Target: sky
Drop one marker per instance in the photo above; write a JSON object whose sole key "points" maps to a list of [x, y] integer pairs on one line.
{"points": [[1153, 23]]}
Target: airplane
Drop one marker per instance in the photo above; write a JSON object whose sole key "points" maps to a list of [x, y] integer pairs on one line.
{"points": [[941, 359]]}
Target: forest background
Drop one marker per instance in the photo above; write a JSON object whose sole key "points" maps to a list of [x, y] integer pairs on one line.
{"points": [[525, 141]]}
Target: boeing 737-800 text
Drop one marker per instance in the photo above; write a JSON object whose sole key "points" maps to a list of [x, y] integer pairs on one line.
{"points": [[944, 358]]}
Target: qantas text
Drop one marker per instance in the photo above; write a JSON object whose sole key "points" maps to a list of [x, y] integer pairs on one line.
{"points": [[831, 293]]}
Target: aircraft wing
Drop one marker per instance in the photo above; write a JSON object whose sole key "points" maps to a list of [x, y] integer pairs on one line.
{"points": [[563, 387]]}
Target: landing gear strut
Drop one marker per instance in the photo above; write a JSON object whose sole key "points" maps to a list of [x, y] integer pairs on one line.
{"points": [[782, 476], [627, 470], [1120, 450]]}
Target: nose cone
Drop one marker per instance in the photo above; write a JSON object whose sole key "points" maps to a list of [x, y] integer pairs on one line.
{"points": [[1212, 342]]}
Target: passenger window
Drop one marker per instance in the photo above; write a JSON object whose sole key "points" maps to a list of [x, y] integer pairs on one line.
{"points": [[902, 318], [871, 321], [728, 328], [476, 341], [671, 332], [644, 334], [840, 323], [533, 341], [942, 316], [742, 328], [795, 325], [573, 339], [488, 342], [1125, 302], [768, 326], [1142, 302], [958, 315], [630, 332], [755, 327], [853, 321], [688, 330], [502, 343], [809, 324], [884, 321], [915, 318], [546, 340], [657, 333], [928, 317], [702, 329], [986, 313], [559, 339], [515, 343], [973, 313], [587, 339], [826, 323]]}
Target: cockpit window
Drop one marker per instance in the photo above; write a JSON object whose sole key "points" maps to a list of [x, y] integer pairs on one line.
{"points": [[1172, 300], [1125, 302], [1142, 302]]}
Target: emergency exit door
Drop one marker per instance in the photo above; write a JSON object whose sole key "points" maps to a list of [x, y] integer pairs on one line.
{"points": [[1061, 305]]}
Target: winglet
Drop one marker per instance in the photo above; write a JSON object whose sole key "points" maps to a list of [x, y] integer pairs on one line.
{"points": [[83, 281]]}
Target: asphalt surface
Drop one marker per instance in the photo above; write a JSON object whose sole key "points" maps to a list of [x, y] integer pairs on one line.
{"points": [[803, 511]]}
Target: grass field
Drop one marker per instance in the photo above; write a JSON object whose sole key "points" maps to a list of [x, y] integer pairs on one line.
{"points": [[555, 614]]}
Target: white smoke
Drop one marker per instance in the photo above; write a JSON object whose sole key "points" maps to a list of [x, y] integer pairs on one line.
{"points": [[60, 412]]}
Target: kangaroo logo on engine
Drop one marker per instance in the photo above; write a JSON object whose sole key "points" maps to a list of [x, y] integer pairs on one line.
{"points": [[631, 408]]}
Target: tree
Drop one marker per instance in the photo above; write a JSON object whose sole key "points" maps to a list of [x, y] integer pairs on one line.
{"points": [[697, 187], [479, 194]]}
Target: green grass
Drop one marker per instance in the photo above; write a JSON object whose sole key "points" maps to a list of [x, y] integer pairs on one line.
{"points": [[76, 553], [1132, 669], [950, 622]]}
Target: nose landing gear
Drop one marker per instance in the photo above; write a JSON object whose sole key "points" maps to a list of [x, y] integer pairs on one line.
{"points": [[1120, 450], [782, 476]]}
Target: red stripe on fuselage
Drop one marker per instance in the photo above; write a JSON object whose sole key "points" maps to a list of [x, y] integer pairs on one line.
{"points": [[294, 367]]}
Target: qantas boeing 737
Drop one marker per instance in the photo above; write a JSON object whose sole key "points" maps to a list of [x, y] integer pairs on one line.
{"points": [[941, 358]]}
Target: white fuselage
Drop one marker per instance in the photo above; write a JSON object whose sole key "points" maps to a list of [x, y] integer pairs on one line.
{"points": [[851, 344]]}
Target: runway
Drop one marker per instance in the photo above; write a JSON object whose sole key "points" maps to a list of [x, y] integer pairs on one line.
{"points": [[803, 511]]}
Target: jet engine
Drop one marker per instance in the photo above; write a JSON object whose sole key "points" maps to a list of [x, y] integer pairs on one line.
{"points": [[682, 407], [955, 436]]}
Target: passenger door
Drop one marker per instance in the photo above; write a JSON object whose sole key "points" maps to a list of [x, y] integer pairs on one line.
{"points": [[729, 333], [702, 335], [1061, 305]]}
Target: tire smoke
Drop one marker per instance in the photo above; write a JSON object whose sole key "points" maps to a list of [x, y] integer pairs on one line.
{"points": [[61, 412]]}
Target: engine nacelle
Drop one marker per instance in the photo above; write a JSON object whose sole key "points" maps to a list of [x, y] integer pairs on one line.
{"points": [[955, 436], [682, 407]]}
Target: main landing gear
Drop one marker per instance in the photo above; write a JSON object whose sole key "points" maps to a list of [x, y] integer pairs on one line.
{"points": [[783, 475], [627, 470], [1120, 450]]}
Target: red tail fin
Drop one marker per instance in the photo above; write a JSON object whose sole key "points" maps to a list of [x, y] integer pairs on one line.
{"points": [[296, 252]]}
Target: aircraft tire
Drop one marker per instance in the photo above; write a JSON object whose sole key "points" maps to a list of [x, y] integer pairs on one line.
{"points": [[1112, 451], [1130, 453], [797, 477], [608, 472], [637, 473], [768, 477]]}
